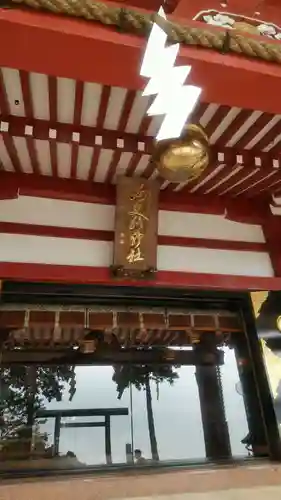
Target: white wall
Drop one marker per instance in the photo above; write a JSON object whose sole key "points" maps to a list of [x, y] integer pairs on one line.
{"points": [[66, 251], [205, 260], [207, 226], [60, 251], [82, 252], [44, 211], [48, 212]]}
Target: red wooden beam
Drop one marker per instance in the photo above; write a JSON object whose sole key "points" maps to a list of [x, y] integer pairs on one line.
{"points": [[101, 275], [18, 126], [13, 185], [242, 164], [73, 47], [104, 235], [106, 139], [242, 210]]}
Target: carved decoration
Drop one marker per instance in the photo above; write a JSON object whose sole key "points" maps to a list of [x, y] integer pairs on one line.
{"points": [[240, 23]]}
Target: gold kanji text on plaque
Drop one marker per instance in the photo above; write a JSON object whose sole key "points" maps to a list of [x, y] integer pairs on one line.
{"points": [[135, 245]]}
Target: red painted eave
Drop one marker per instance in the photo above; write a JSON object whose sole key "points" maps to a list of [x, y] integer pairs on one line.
{"points": [[101, 276], [87, 51], [70, 48]]}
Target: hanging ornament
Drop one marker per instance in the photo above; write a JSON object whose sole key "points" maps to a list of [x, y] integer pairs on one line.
{"points": [[185, 158]]}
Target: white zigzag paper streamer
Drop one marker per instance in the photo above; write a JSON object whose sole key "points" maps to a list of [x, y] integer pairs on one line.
{"points": [[174, 99]]}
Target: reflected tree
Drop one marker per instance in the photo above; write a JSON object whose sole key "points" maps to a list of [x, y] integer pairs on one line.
{"points": [[23, 391], [141, 377]]}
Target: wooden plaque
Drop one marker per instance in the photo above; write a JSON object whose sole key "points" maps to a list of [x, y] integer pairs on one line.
{"points": [[136, 222]]}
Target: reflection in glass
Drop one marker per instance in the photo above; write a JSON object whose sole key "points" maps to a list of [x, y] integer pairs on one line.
{"points": [[141, 377], [234, 403], [87, 432], [180, 404], [63, 417], [24, 389]]}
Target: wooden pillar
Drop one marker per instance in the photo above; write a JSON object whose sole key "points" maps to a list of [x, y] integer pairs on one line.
{"points": [[129, 454], [214, 422], [108, 452], [256, 437], [262, 390], [30, 394], [57, 435], [4, 335]]}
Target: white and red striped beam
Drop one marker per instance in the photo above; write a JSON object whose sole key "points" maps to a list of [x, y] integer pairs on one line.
{"points": [[68, 128], [75, 134], [231, 169], [202, 246], [98, 137], [59, 232]]}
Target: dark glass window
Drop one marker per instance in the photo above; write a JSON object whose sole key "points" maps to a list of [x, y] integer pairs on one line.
{"points": [[64, 417]]}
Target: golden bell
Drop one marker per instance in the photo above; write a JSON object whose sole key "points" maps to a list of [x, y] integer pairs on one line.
{"points": [[185, 158]]}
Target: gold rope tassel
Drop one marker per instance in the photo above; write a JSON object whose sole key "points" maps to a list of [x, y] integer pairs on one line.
{"points": [[131, 21]]}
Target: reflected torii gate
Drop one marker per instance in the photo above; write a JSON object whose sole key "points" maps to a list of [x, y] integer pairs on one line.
{"points": [[107, 413]]}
